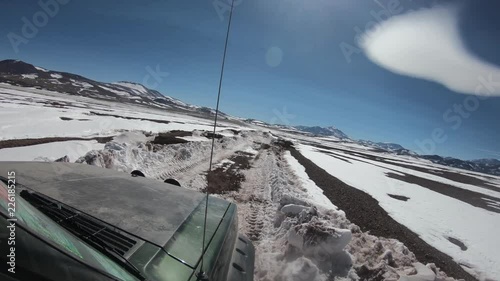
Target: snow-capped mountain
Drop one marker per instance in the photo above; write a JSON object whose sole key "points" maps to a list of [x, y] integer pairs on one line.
{"points": [[488, 162], [486, 166], [323, 131], [381, 145], [387, 147], [23, 74]]}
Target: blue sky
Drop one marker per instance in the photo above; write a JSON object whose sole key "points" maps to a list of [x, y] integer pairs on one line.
{"points": [[284, 57]]}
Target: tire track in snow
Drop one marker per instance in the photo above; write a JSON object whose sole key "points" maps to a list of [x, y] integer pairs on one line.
{"points": [[258, 202], [193, 175], [258, 190]]}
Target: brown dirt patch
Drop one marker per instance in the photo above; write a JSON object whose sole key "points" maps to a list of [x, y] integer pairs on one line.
{"points": [[210, 135], [229, 177], [458, 243], [171, 137], [399, 197], [130, 118], [222, 181], [71, 119], [29, 142]]}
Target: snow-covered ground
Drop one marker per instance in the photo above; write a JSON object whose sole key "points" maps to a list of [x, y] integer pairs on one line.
{"points": [[315, 193], [50, 151], [298, 233], [434, 216], [31, 113]]}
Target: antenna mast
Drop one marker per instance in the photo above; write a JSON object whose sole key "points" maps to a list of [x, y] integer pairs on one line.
{"points": [[202, 275]]}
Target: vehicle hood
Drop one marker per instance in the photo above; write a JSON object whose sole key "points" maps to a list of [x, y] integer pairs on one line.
{"points": [[149, 209]]}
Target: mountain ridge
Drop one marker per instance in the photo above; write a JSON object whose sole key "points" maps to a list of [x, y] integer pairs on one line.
{"points": [[20, 73], [323, 131]]}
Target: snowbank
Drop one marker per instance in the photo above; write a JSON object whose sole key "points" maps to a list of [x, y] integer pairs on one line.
{"points": [[314, 193]]}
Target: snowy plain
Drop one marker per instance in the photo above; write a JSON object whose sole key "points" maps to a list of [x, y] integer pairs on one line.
{"points": [[50, 151], [38, 114], [31, 113], [434, 216]]}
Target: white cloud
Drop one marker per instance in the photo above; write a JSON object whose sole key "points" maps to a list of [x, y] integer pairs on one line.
{"points": [[426, 44]]}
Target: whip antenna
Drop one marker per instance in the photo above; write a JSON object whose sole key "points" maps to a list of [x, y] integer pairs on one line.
{"points": [[202, 275]]}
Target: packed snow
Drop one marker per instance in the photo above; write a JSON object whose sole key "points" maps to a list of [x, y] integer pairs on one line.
{"points": [[56, 75], [84, 85], [41, 69], [138, 89], [30, 76], [121, 93]]}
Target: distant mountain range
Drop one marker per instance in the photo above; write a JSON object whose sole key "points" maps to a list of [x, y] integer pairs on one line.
{"points": [[334, 132], [381, 145], [486, 166], [388, 147], [23, 74], [323, 131]]}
